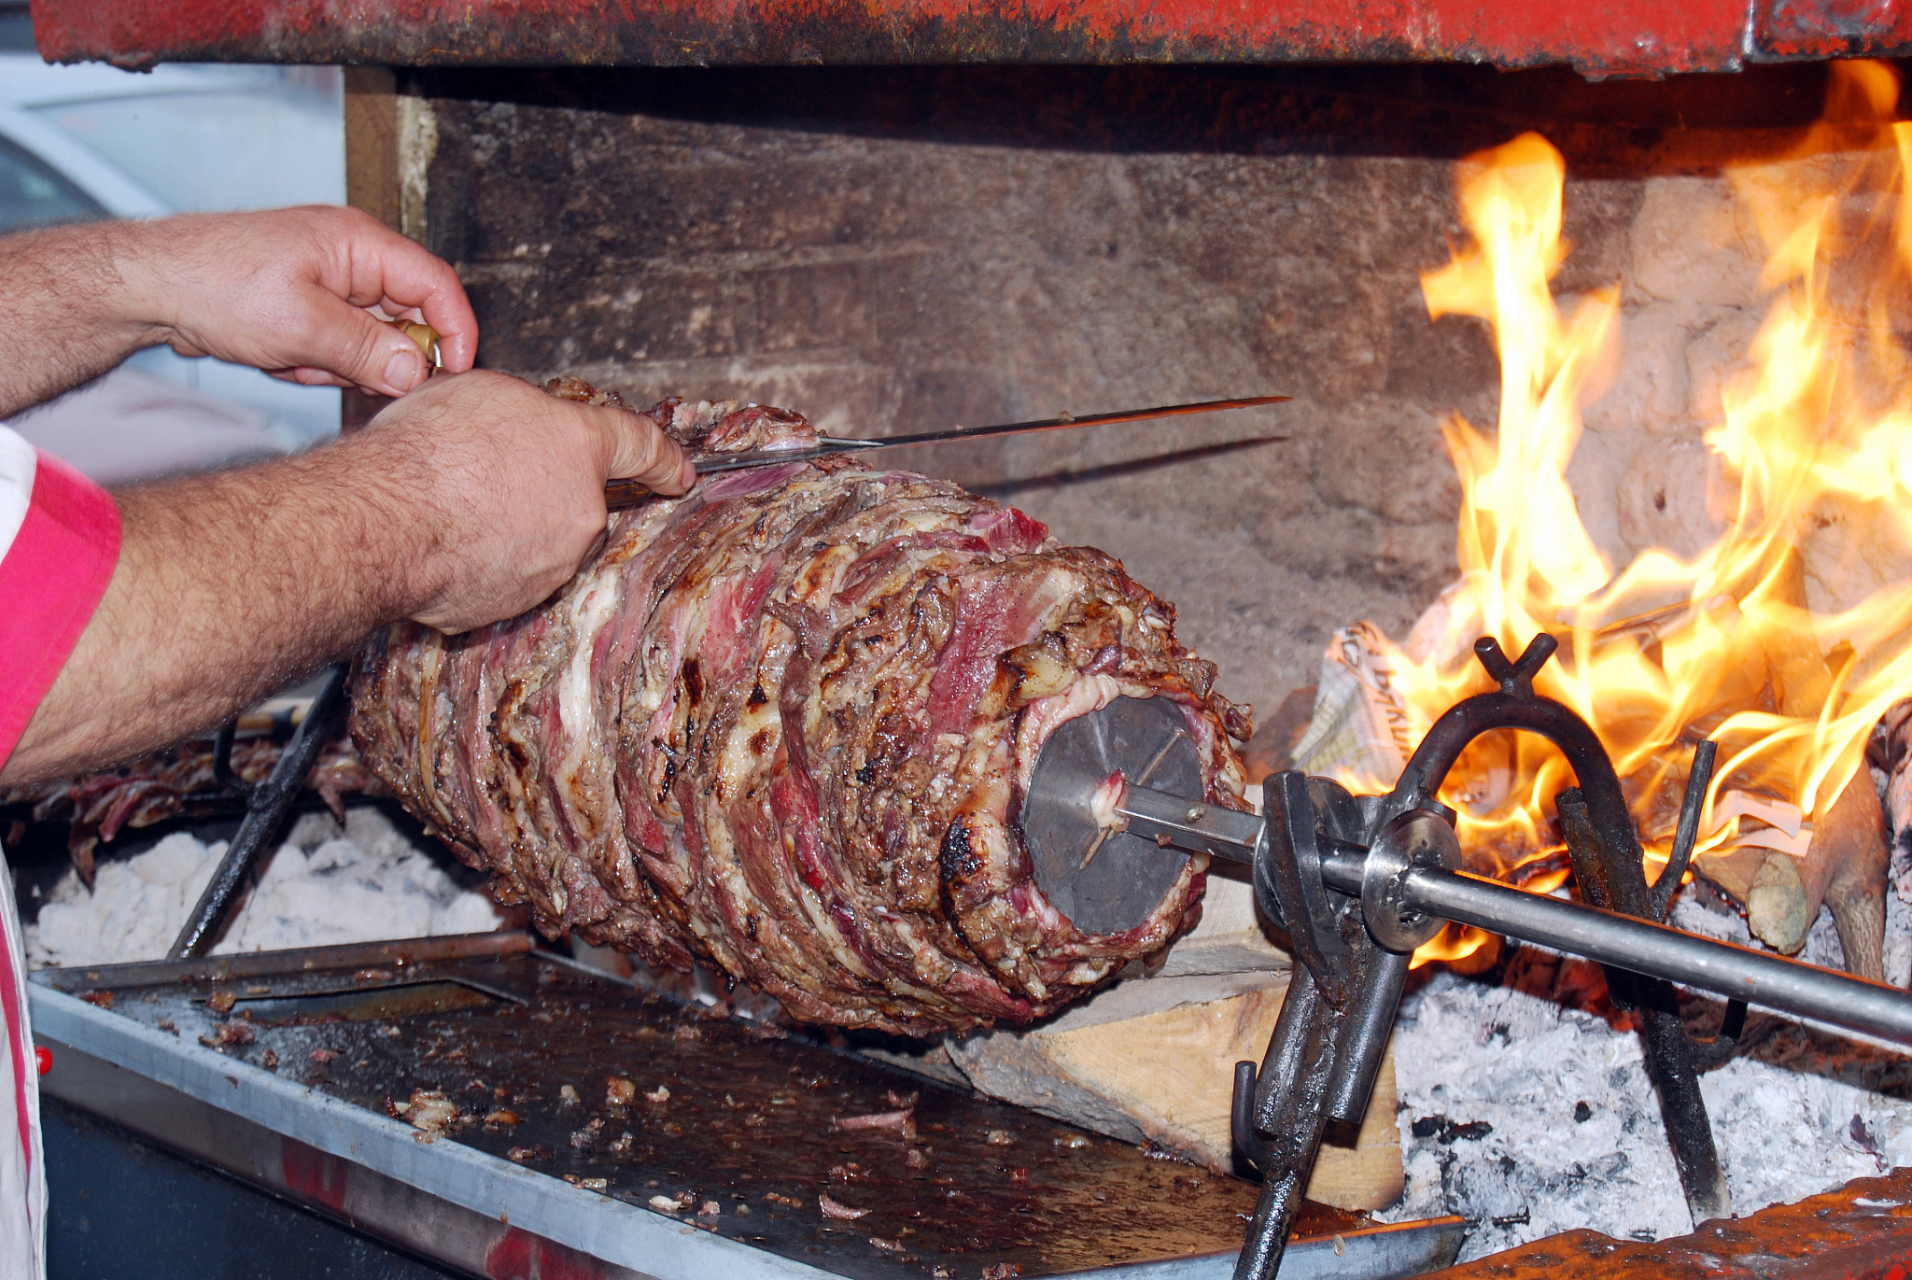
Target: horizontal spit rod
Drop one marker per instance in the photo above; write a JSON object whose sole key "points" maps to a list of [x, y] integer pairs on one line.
{"points": [[1198, 828], [1639, 946], [1643, 947]]}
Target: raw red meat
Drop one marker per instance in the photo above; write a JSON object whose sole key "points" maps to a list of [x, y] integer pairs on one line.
{"points": [[781, 724]]}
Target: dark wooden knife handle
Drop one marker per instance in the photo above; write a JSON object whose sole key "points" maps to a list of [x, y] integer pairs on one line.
{"points": [[619, 494]]}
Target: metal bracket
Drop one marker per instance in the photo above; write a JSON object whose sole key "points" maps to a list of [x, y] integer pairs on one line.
{"points": [[1353, 952]]}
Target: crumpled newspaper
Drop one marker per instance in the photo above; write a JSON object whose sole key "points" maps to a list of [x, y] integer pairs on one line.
{"points": [[1362, 732]]}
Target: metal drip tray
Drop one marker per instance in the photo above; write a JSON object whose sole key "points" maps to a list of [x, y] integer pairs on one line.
{"points": [[608, 1127]]}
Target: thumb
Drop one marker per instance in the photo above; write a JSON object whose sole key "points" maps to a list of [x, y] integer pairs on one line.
{"points": [[356, 346], [641, 451]]}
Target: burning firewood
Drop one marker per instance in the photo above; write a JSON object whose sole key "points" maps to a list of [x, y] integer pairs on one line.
{"points": [[1715, 639], [1844, 868], [1846, 860]]}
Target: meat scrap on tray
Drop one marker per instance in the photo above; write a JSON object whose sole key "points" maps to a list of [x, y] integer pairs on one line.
{"points": [[782, 724], [176, 782]]}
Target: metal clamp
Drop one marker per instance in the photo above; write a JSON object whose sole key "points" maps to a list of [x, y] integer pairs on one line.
{"points": [[1353, 951], [1417, 839]]}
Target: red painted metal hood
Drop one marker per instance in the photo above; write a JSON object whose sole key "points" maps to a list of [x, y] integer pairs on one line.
{"points": [[1601, 38]]}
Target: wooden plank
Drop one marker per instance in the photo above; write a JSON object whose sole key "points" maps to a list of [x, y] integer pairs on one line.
{"points": [[1152, 1059], [1174, 1071], [371, 142], [371, 183]]}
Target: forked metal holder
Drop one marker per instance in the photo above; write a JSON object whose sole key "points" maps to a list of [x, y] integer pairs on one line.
{"points": [[1360, 881]]}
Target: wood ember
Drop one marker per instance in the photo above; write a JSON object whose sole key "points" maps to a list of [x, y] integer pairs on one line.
{"points": [[1846, 861], [1845, 867]]}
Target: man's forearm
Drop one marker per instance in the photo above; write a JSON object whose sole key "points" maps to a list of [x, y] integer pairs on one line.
{"points": [[228, 587], [70, 313], [470, 500]]}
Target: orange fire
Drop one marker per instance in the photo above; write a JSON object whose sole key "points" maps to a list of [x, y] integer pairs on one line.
{"points": [[1786, 638]]}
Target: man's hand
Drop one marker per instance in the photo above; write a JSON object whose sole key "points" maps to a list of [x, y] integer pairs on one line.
{"points": [[284, 291], [468, 501], [516, 479]]}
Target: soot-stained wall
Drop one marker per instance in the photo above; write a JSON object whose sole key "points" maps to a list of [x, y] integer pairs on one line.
{"points": [[898, 250]]}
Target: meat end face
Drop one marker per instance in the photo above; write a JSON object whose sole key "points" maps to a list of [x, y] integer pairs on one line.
{"points": [[782, 725]]}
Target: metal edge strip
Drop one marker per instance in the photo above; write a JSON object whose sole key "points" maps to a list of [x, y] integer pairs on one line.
{"points": [[260, 964], [593, 1224], [1385, 1252]]}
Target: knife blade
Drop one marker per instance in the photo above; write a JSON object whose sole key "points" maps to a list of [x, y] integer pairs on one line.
{"points": [[619, 494]]}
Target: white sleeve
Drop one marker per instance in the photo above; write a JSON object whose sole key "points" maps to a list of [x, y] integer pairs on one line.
{"points": [[18, 463], [22, 1155]]}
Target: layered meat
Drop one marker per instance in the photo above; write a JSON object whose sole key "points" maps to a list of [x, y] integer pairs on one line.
{"points": [[781, 725]]}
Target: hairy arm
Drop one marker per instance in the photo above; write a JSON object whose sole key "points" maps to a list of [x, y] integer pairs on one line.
{"points": [[469, 500], [285, 291]]}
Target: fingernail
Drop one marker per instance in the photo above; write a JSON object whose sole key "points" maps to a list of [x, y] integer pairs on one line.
{"points": [[403, 369], [688, 476]]}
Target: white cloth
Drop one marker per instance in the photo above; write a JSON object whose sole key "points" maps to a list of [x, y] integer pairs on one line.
{"points": [[18, 463], [22, 1158]]}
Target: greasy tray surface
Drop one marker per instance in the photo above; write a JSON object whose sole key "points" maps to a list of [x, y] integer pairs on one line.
{"points": [[724, 1112]]}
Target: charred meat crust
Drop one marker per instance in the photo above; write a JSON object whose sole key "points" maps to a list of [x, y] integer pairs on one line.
{"points": [[780, 725]]}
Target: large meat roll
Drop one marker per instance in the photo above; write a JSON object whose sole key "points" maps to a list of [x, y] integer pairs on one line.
{"points": [[782, 724]]}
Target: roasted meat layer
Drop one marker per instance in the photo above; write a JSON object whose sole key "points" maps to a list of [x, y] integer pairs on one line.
{"points": [[781, 724]]}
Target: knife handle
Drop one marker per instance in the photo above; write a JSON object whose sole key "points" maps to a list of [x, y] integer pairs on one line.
{"points": [[427, 339], [619, 494]]}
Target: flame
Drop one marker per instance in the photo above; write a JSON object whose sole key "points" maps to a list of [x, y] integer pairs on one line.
{"points": [[1813, 455]]}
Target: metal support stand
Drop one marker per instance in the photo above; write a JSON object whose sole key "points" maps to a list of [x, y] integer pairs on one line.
{"points": [[267, 804], [1613, 879], [1353, 947]]}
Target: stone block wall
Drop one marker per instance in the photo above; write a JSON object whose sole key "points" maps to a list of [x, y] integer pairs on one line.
{"points": [[897, 250]]}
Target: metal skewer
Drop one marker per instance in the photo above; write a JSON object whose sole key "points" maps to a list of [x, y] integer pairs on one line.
{"points": [[621, 493], [628, 493], [1638, 946]]}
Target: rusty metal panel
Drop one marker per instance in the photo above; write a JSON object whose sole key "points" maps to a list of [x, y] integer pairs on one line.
{"points": [[1861, 1232], [1620, 37], [1834, 28]]}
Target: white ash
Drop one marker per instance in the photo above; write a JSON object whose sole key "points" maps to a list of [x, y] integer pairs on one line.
{"points": [[1573, 1136], [323, 886]]}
